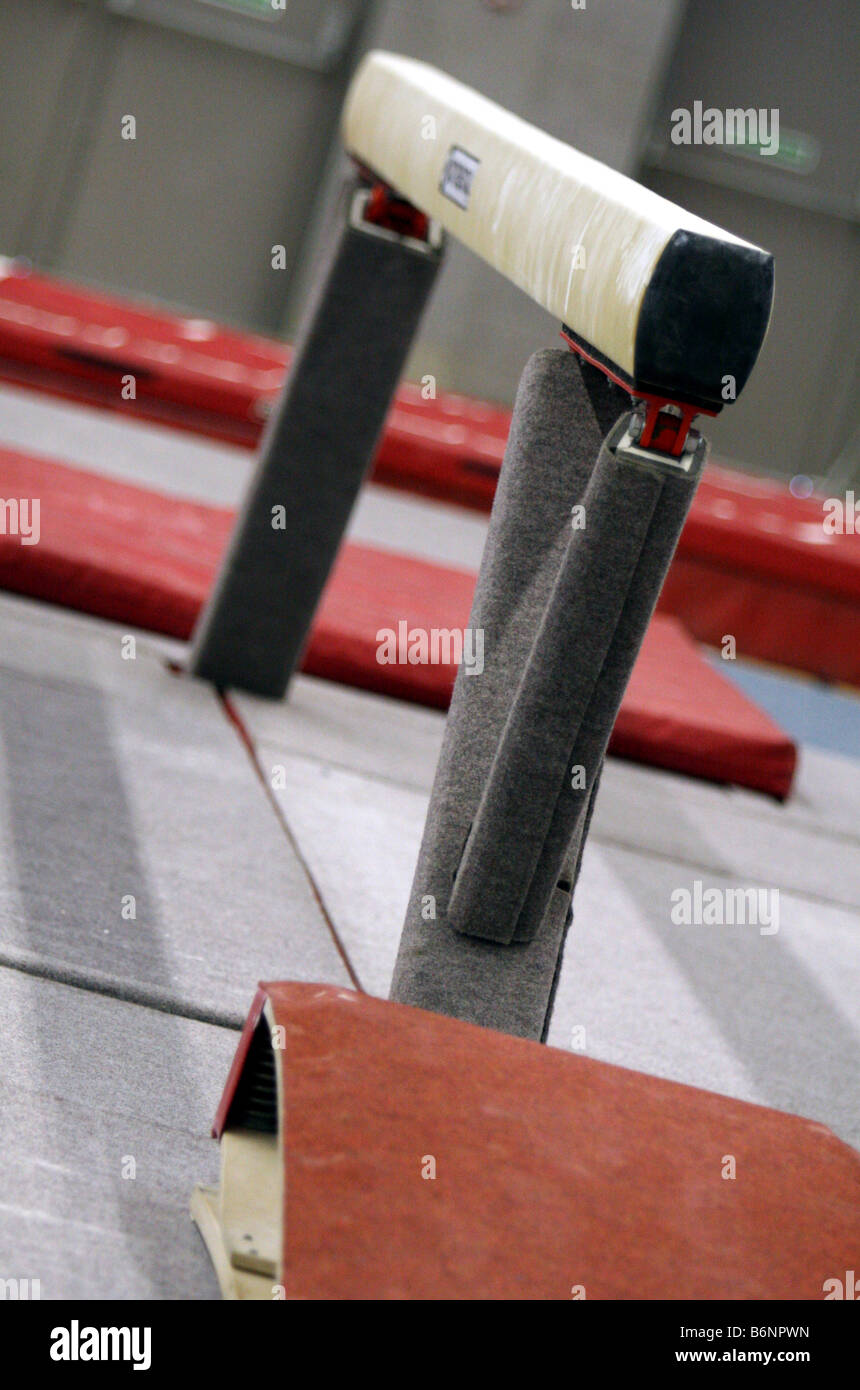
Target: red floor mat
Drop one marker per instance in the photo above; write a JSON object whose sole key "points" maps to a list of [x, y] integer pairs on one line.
{"points": [[753, 561], [194, 374], [148, 560]]}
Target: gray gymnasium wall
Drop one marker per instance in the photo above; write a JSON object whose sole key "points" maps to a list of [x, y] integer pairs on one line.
{"points": [[229, 147], [237, 151], [799, 412]]}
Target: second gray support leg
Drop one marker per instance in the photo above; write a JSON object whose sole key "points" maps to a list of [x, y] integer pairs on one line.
{"points": [[563, 614], [316, 451]]}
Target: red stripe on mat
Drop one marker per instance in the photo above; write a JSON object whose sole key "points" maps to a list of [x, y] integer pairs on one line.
{"points": [[142, 558]]}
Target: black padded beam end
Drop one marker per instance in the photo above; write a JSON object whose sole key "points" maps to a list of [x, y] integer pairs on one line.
{"points": [[703, 319]]}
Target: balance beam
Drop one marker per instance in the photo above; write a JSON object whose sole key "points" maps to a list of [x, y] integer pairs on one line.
{"points": [[667, 303], [668, 306], [592, 496]]}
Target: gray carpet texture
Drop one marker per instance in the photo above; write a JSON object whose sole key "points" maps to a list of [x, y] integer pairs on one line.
{"points": [[315, 454], [577, 550]]}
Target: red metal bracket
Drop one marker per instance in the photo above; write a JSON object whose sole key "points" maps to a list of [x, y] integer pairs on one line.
{"points": [[667, 422], [385, 208], [663, 430]]}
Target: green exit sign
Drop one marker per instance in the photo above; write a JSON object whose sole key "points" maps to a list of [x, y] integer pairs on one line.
{"points": [[263, 8], [797, 153]]}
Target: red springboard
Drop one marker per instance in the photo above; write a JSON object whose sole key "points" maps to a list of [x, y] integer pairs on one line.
{"points": [[139, 557], [555, 1176]]}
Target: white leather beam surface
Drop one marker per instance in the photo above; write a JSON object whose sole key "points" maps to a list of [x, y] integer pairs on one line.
{"points": [[580, 238]]}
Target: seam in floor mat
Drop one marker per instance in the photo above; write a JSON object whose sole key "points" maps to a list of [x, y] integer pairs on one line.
{"points": [[234, 717]]}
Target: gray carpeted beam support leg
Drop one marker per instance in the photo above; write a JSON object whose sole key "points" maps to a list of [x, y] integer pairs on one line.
{"points": [[564, 612], [315, 454]]}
